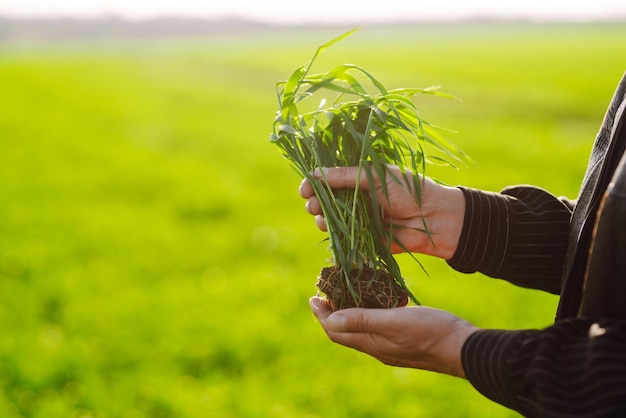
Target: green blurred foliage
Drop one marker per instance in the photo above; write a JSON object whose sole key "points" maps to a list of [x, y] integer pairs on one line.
{"points": [[155, 259]]}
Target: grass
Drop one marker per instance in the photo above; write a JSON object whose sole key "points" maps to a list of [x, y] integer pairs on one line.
{"points": [[156, 260]]}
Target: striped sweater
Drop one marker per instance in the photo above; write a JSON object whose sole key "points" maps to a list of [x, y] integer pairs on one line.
{"points": [[576, 367]]}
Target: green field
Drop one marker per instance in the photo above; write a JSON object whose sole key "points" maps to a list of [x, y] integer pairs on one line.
{"points": [[156, 260]]}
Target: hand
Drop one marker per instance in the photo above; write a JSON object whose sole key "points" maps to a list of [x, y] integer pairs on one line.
{"points": [[442, 209], [417, 336]]}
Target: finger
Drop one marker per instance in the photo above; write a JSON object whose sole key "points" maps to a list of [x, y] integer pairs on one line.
{"points": [[321, 308], [342, 177], [320, 221], [313, 206], [331, 321], [367, 321], [339, 326], [350, 321], [306, 190]]}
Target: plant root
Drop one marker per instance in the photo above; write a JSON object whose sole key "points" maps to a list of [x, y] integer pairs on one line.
{"points": [[371, 289]]}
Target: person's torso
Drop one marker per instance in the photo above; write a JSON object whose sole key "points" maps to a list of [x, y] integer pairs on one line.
{"points": [[606, 154]]}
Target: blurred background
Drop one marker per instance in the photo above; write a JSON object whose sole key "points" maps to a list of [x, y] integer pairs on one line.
{"points": [[155, 258]]}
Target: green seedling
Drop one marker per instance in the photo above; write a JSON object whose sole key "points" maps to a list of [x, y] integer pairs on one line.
{"points": [[369, 127]]}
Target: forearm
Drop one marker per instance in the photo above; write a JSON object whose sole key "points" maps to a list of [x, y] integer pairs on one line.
{"points": [[575, 368], [519, 235]]}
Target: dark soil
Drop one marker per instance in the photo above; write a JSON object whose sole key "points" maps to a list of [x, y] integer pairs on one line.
{"points": [[381, 292]]}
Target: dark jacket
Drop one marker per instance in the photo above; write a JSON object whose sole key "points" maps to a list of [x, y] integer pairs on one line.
{"points": [[594, 274], [576, 367]]}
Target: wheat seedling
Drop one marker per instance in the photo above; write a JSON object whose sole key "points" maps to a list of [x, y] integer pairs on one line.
{"points": [[369, 127]]}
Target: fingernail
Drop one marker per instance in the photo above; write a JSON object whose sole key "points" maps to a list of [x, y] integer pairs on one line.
{"points": [[336, 322], [315, 303]]}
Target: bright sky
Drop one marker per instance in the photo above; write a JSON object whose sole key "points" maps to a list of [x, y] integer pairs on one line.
{"points": [[294, 11]]}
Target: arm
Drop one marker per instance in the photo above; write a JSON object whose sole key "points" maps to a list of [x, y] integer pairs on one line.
{"points": [[575, 368], [519, 235]]}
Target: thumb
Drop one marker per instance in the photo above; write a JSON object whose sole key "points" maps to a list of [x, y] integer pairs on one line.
{"points": [[342, 177], [334, 322], [337, 322], [354, 320]]}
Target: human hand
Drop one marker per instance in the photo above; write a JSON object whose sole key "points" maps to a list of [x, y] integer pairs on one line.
{"points": [[418, 337], [442, 209]]}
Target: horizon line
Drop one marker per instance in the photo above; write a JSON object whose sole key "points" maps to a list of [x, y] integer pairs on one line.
{"points": [[473, 18]]}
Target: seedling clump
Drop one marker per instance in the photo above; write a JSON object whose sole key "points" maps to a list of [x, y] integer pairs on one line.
{"points": [[369, 127]]}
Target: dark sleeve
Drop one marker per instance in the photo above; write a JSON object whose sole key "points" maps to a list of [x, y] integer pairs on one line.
{"points": [[575, 368], [519, 235]]}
